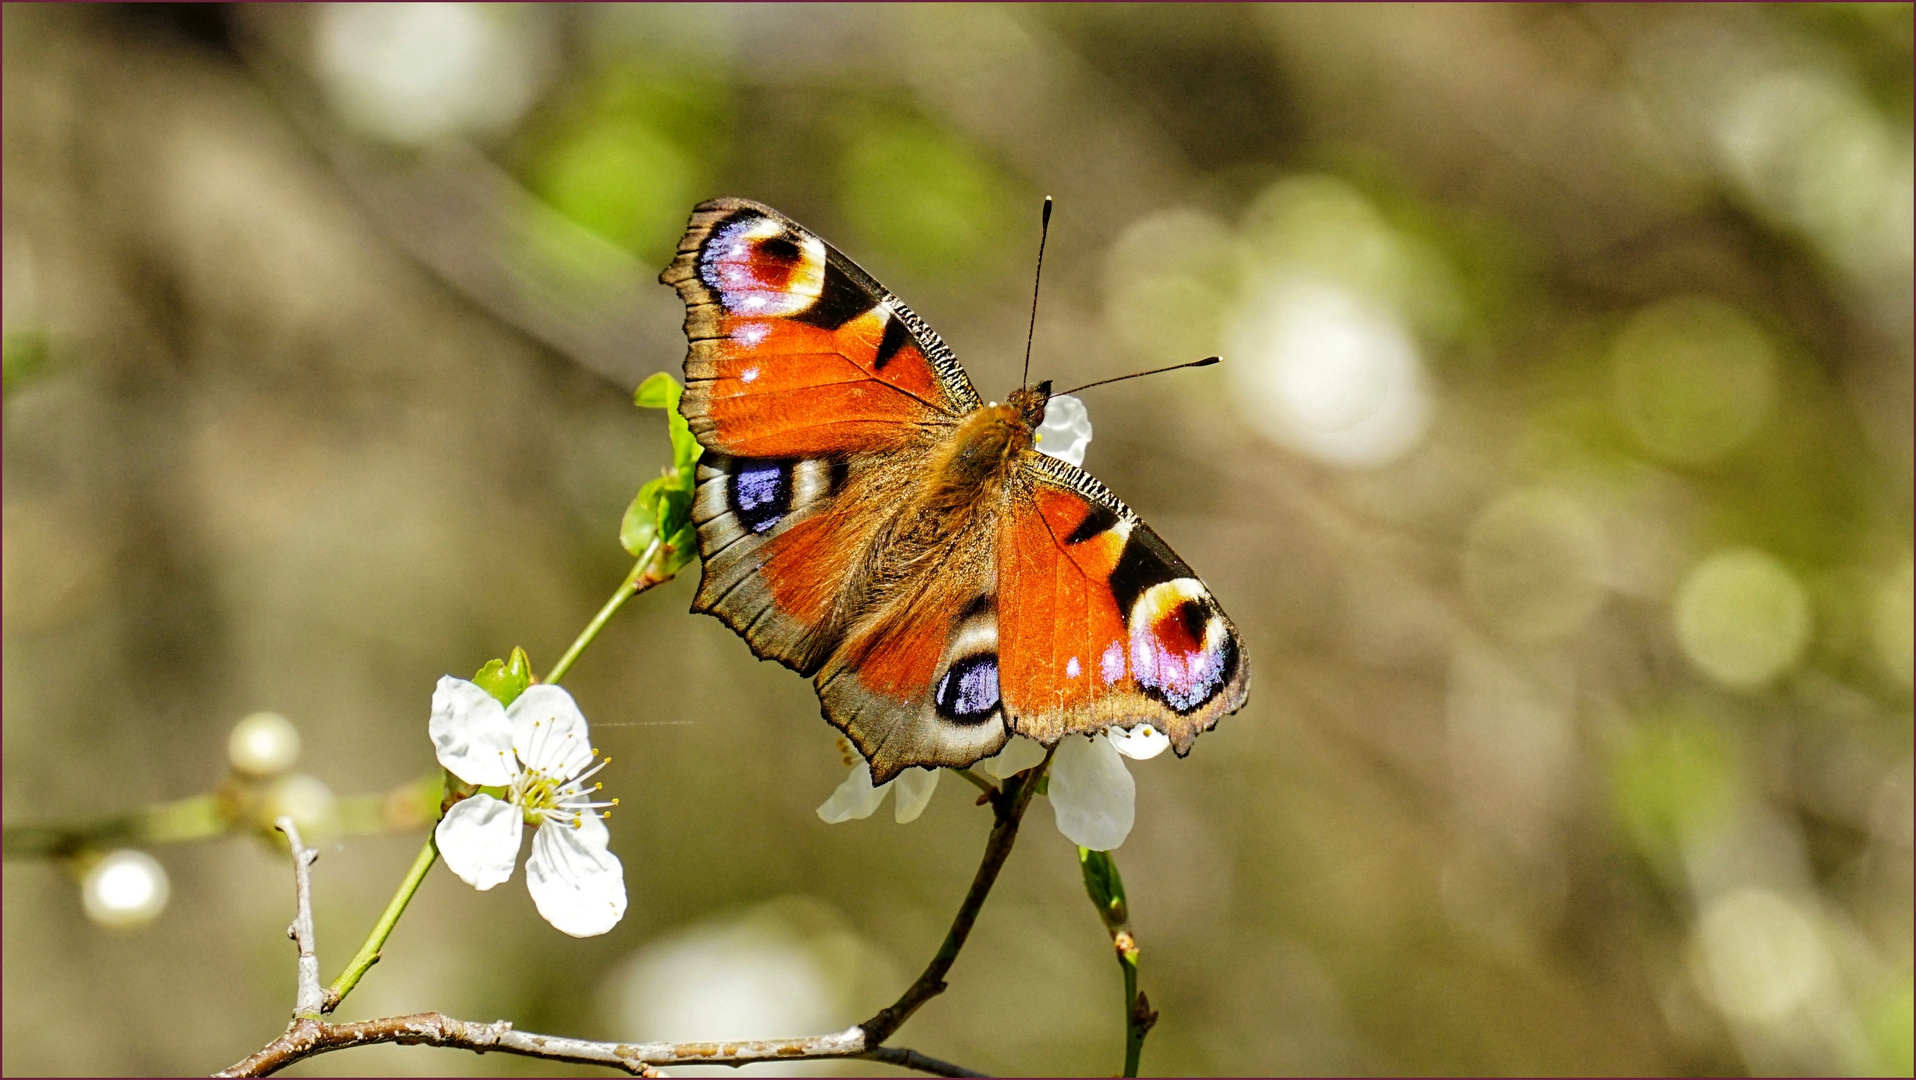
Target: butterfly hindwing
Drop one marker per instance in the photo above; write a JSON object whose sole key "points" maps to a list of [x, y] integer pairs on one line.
{"points": [[796, 352], [916, 683], [1100, 623]]}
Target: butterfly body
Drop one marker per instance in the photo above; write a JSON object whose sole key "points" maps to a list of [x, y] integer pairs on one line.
{"points": [[867, 520]]}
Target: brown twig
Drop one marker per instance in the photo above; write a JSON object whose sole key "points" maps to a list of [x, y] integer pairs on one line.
{"points": [[307, 1038], [1008, 808], [310, 998]]}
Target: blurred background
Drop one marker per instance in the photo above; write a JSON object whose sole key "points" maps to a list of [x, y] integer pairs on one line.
{"points": [[1558, 479]]}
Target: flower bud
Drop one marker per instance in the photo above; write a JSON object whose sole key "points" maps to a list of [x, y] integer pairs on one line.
{"points": [[505, 680], [125, 889], [263, 744], [1105, 887]]}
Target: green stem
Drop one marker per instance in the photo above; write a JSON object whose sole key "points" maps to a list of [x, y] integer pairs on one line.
{"points": [[1137, 1020], [369, 952], [1105, 886], [200, 817], [635, 583], [232, 809]]}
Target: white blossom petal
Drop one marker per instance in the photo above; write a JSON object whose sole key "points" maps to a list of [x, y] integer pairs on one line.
{"points": [[479, 839], [576, 883], [470, 733], [1018, 755], [1141, 743], [1092, 793], [855, 798], [549, 732], [914, 793], [1066, 430]]}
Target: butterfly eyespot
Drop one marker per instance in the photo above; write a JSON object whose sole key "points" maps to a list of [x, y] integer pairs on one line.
{"points": [[757, 265], [761, 493], [779, 248], [968, 692], [1181, 652]]}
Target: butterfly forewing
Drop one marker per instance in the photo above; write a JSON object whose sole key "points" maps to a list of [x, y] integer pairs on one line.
{"points": [[795, 351]]}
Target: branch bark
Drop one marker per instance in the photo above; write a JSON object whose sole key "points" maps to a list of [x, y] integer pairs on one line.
{"points": [[310, 999], [309, 1037]]}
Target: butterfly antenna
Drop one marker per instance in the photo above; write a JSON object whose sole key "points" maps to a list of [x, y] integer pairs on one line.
{"points": [[1206, 362], [1044, 230]]}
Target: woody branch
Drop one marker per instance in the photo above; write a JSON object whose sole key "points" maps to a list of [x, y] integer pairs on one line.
{"points": [[308, 1035]]}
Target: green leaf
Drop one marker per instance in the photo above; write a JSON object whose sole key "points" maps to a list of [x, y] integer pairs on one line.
{"points": [[1104, 885], [658, 391], [506, 679], [641, 524], [685, 445], [661, 391], [675, 509], [681, 549]]}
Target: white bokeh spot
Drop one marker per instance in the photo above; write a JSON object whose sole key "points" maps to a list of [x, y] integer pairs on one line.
{"points": [[1326, 371]]}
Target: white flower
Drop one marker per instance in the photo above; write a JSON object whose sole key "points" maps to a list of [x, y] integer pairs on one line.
{"points": [[858, 798], [538, 751], [1091, 791], [1066, 430]]}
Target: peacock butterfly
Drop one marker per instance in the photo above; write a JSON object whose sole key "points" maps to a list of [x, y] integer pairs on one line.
{"points": [[865, 519]]}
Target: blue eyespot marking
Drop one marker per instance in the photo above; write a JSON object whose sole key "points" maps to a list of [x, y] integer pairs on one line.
{"points": [[968, 692], [761, 493]]}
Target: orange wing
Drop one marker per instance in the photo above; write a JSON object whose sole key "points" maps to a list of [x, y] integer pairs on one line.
{"points": [[796, 352], [1100, 624], [814, 392], [916, 682]]}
